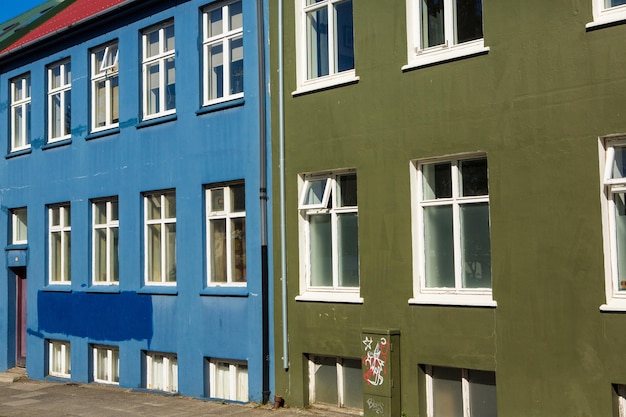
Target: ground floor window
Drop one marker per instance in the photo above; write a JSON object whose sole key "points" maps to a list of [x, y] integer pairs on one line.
{"points": [[106, 364], [620, 391], [228, 380], [161, 371], [335, 381], [460, 392], [59, 358]]}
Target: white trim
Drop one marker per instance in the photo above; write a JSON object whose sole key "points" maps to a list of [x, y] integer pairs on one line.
{"points": [[65, 86], [65, 358], [160, 59], [603, 15], [22, 104], [169, 371], [162, 221], [112, 364], [328, 81], [461, 300], [235, 370], [15, 220], [107, 74], [109, 225], [64, 230], [331, 297]]}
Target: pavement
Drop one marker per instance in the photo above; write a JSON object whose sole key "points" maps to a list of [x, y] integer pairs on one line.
{"points": [[25, 397]]}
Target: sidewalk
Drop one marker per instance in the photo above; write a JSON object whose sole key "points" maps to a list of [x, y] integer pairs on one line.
{"points": [[52, 399]]}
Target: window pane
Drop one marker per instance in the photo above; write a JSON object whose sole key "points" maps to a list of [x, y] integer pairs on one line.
{"points": [[314, 193], [114, 210], [239, 249], [613, 3], [102, 364], [55, 77], [236, 15], [432, 23], [326, 381], [100, 92], [482, 387], [153, 89], [116, 366], [170, 252], [352, 383], [447, 392], [222, 383], [100, 212], [216, 75], [347, 191], [67, 113], [215, 22], [321, 250], [344, 39], [620, 238], [170, 205], [439, 247], [114, 251], [236, 65], [317, 43], [475, 246], [348, 242], [25, 136], [65, 215], [55, 129], [55, 216], [619, 164], [115, 100], [242, 383], [154, 206], [152, 40], [18, 133], [170, 84], [55, 256], [217, 199], [169, 38], [154, 253], [437, 181], [474, 177], [238, 198], [66, 256], [67, 79], [100, 255], [20, 219], [469, 20], [218, 250]]}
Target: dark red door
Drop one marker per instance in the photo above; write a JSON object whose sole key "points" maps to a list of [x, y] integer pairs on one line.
{"points": [[20, 304]]}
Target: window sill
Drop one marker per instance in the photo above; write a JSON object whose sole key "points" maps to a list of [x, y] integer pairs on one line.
{"points": [[16, 246], [157, 121], [20, 152], [103, 133], [327, 82], [105, 289], [443, 55], [57, 143], [213, 107], [330, 297], [608, 18], [58, 287], [459, 300], [158, 290], [616, 305], [226, 291]]}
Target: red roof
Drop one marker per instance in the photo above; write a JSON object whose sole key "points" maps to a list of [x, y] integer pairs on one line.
{"points": [[77, 12]]}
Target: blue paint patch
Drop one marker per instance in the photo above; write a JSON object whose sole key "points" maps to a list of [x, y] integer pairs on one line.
{"points": [[107, 317]]}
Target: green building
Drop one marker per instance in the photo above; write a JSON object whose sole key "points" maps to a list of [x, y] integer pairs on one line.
{"points": [[453, 225]]}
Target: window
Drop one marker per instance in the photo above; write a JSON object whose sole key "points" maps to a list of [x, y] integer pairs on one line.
{"points": [[228, 380], [20, 113], [335, 381], [59, 358], [226, 228], [329, 233], [19, 226], [440, 30], [59, 101], [223, 52], [325, 50], [619, 391], [460, 392], [607, 11], [60, 243], [160, 238], [159, 71], [105, 241], [105, 87], [161, 372], [452, 245], [106, 364]]}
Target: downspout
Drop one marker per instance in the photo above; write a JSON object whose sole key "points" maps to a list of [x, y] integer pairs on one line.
{"points": [[262, 42], [283, 226]]}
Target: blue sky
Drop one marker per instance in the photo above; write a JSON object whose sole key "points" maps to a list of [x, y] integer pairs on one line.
{"points": [[12, 8]]}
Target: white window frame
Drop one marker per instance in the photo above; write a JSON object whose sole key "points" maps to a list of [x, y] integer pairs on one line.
{"points": [[19, 216], [443, 296], [227, 214], [169, 371], [428, 370], [112, 364], [224, 39], [333, 78], [64, 87], [22, 105], [603, 15], [65, 358], [111, 254], [65, 231], [160, 59], [417, 56], [335, 293], [236, 392], [163, 221], [341, 383], [107, 72]]}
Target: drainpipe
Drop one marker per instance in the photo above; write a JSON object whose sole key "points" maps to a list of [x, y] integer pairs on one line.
{"points": [[262, 42], [283, 226]]}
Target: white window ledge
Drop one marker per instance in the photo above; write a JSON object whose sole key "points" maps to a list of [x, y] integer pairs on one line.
{"points": [[331, 297], [460, 300], [322, 83], [608, 17], [434, 56], [616, 304]]}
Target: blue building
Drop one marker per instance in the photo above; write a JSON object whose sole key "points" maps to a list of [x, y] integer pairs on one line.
{"points": [[134, 197]]}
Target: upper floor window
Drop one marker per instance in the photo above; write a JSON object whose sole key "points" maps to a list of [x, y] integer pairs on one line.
{"points": [[60, 243], [20, 113], [325, 43], [160, 238], [59, 101], [105, 87], [226, 229], [452, 247], [19, 226], [223, 52], [440, 30], [159, 70], [105, 241], [329, 235], [607, 11]]}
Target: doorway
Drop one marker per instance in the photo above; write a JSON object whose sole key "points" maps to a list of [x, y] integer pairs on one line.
{"points": [[20, 316]]}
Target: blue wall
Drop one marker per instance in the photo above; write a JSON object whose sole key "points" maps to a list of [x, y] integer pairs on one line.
{"points": [[184, 154]]}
